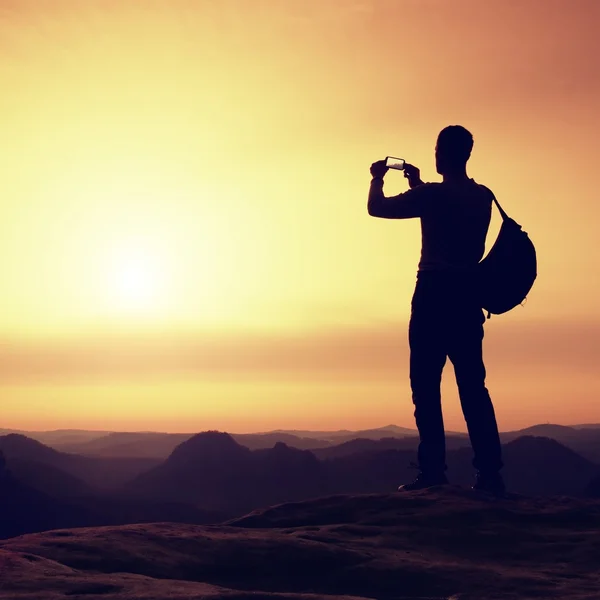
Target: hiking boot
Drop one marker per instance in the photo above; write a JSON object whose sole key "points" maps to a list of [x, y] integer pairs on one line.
{"points": [[424, 481], [491, 483]]}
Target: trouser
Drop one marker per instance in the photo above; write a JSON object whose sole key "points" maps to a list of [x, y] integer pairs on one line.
{"points": [[446, 322]]}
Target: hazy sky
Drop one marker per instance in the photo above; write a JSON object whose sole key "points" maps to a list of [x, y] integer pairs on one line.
{"points": [[184, 242]]}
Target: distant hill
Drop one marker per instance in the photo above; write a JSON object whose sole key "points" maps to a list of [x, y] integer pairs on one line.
{"points": [[48, 479], [285, 474], [546, 429], [534, 466], [160, 445], [59, 436], [343, 435], [24, 509], [129, 444], [257, 441], [557, 432], [102, 473], [21, 446], [212, 470], [438, 544], [215, 472], [583, 440], [359, 445]]}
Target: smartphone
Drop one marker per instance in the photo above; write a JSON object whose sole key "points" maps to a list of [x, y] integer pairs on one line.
{"points": [[394, 163]]}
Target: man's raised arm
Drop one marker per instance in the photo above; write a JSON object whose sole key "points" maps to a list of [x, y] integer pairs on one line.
{"points": [[403, 206]]}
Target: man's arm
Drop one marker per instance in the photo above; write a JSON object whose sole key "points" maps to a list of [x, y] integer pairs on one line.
{"points": [[403, 206]]}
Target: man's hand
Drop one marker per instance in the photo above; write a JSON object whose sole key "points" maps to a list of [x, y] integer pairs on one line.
{"points": [[379, 169], [413, 174]]}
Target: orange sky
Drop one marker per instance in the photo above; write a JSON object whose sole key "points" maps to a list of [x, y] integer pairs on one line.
{"points": [[184, 241]]}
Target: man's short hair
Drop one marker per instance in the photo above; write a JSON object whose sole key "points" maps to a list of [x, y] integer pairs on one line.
{"points": [[455, 144]]}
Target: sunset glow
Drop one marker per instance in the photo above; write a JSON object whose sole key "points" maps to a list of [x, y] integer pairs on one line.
{"points": [[183, 203]]}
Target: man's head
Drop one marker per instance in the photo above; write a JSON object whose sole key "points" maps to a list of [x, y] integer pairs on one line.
{"points": [[453, 149]]}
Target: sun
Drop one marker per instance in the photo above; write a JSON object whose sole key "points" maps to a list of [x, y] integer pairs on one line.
{"points": [[137, 281], [137, 278]]}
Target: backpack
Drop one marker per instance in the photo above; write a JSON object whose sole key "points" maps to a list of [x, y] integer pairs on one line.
{"points": [[505, 276]]}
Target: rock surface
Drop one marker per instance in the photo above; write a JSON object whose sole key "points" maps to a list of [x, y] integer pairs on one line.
{"points": [[441, 543]]}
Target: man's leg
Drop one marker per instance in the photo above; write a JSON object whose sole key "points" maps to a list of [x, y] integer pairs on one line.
{"points": [[427, 359], [466, 353]]}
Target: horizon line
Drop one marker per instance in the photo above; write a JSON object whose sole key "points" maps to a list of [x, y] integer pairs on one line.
{"points": [[278, 430]]}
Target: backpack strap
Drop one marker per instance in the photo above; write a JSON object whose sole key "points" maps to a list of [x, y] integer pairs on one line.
{"points": [[502, 212], [504, 218]]}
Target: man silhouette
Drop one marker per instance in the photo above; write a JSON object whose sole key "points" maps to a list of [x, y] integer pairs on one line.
{"points": [[446, 319]]}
